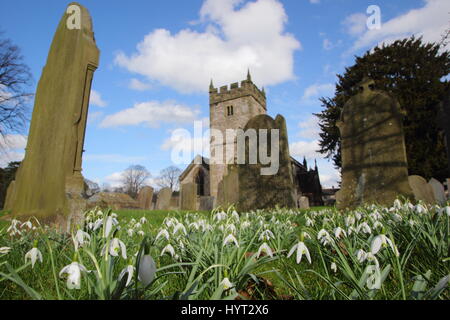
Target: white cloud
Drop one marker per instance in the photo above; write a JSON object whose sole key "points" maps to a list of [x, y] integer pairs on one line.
{"points": [[93, 116], [309, 129], [138, 85], [327, 44], [355, 24], [314, 92], [235, 38], [306, 149], [96, 99], [183, 141], [151, 113], [429, 21], [12, 148], [330, 179]]}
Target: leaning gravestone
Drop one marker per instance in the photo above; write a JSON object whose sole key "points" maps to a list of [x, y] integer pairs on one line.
{"points": [[258, 187], [164, 198], [145, 197], [228, 194], [304, 203], [374, 165], [49, 184], [189, 196], [438, 191], [421, 189]]}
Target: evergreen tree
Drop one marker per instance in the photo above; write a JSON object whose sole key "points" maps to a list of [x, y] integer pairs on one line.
{"points": [[6, 176], [413, 71]]}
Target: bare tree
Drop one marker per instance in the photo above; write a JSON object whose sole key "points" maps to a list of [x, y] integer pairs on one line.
{"points": [[15, 76], [134, 178], [168, 178]]}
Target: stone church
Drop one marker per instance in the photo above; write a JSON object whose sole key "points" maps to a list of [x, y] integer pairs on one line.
{"points": [[232, 108]]}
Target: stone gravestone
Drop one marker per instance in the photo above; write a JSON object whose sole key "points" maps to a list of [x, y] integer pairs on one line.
{"points": [[438, 191], [164, 198], [189, 196], [374, 165], [145, 197], [304, 203], [9, 195], [206, 203], [421, 189], [228, 190], [49, 184], [259, 189]]}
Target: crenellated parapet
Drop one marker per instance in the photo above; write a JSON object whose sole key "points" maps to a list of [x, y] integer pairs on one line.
{"points": [[237, 90]]}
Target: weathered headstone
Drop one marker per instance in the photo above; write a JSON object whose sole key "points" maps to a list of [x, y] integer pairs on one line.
{"points": [[438, 191], [9, 195], [175, 203], [145, 197], [189, 196], [110, 200], [228, 190], [206, 203], [421, 189], [374, 164], [164, 198], [49, 184], [258, 190], [304, 203]]}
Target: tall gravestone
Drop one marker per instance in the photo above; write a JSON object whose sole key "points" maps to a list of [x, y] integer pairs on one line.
{"points": [[374, 164], [189, 196], [228, 193], [164, 198], [258, 190], [49, 184], [145, 197]]}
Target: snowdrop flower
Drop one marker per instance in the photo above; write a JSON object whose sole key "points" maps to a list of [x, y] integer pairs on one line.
{"points": [[110, 222], [97, 224], [266, 235], [324, 237], [306, 235], [114, 215], [34, 254], [230, 238], [349, 221], [133, 221], [194, 225], [235, 215], [147, 269], [382, 241], [447, 211], [129, 270], [168, 249], [143, 220], [226, 284], [338, 232], [27, 224], [358, 216], [365, 228], [264, 248], [163, 233], [141, 233], [116, 246], [309, 222], [361, 255], [138, 226], [350, 230], [231, 228], [73, 272], [378, 225], [420, 209], [397, 204], [130, 232], [397, 218], [301, 250], [245, 224], [5, 250], [179, 227], [220, 216], [13, 230], [334, 267], [81, 238]]}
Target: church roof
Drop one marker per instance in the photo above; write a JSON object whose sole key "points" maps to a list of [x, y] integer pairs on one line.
{"points": [[198, 160]]}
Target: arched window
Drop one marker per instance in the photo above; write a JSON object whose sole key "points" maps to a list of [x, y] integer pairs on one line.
{"points": [[200, 181]]}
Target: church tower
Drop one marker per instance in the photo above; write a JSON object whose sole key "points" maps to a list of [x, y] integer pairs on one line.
{"points": [[231, 108]]}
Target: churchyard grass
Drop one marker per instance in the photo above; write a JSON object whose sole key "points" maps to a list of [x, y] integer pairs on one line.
{"points": [[401, 252]]}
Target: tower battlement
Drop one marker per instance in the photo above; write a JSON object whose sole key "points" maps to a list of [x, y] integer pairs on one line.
{"points": [[237, 90]]}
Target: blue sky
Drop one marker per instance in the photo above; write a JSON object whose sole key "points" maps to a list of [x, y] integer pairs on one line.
{"points": [[157, 58]]}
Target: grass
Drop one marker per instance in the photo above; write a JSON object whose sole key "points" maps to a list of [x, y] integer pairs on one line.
{"points": [[204, 261]]}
